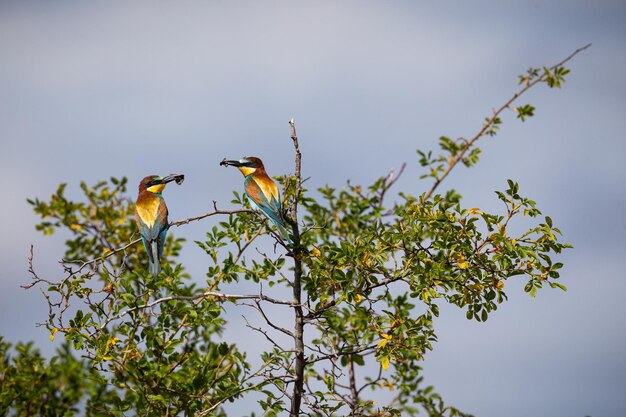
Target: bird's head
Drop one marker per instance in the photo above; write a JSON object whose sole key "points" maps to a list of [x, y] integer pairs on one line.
{"points": [[247, 165], [155, 184]]}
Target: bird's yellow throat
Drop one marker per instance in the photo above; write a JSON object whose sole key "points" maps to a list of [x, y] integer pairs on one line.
{"points": [[157, 189], [246, 170]]}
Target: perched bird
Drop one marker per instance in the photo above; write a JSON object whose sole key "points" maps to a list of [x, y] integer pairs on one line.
{"points": [[151, 217], [261, 190]]}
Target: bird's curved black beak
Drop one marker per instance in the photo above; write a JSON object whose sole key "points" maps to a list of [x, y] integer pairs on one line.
{"points": [[226, 163], [179, 178]]}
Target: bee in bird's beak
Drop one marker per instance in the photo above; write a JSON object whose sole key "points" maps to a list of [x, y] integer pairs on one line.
{"points": [[179, 178]]}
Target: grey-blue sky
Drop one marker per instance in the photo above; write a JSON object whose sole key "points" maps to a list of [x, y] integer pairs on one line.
{"points": [[91, 90]]}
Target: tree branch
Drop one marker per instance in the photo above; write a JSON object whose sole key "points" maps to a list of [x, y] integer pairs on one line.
{"points": [[200, 297], [294, 138], [209, 214], [490, 122], [298, 388], [354, 395]]}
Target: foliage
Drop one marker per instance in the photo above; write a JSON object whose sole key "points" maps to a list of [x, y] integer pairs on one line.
{"points": [[31, 386], [368, 276]]}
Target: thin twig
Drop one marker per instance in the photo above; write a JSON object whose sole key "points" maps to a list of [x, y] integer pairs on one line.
{"points": [[270, 323], [263, 332], [209, 214], [217, 295], [101, 258]]}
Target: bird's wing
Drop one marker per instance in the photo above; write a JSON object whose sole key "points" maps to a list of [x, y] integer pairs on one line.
{"points": [[161, 241], [144, 231], [265, 195]]}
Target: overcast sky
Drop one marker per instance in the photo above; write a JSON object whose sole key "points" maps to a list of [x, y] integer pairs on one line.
{"points": [[90, 90]]}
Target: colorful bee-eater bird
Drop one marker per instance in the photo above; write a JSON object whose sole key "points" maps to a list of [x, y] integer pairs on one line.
{"points": [[151, 217], [261, 190]]}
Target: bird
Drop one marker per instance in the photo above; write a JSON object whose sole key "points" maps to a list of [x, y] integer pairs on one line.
{"points": [[261, 191], [151, 217]]}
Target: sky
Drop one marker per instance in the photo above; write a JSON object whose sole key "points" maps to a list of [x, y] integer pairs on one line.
{"points": [[90, 90]]}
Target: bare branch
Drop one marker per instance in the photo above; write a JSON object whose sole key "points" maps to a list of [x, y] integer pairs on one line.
{"points": [[217, 295], [101, 258], [209, 214], [294, 137], [354, 395], [298, 334], [341, 352], [31, 271], [264, 333], [270, 323], [389, 182]]}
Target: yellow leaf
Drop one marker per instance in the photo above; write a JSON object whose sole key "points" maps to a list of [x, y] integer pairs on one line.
{"points": [[112, 340], [315, 251], [499, 285], [366, 259], [425, 295], [384, 362], [463, 265], [358, 298], [385, 339], [52, 333], [513, 241], [475, 210], [76, 227], [386, 384]]}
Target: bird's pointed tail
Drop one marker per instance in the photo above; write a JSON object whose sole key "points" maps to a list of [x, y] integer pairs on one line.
{"points": [[282, 230], [154, 263]]}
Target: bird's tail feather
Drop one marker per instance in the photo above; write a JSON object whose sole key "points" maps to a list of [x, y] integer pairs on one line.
{"points": [[282, 230], [154, 262]]}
